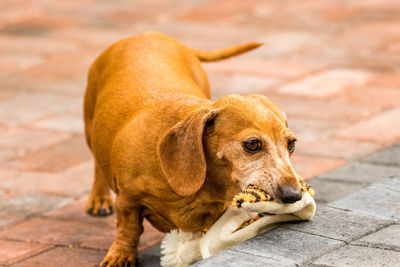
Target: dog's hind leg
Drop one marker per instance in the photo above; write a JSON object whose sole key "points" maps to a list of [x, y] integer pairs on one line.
{"points": [[100, 201]]}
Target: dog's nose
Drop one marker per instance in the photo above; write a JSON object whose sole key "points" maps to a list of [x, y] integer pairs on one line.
{"points": [[288, 194]]}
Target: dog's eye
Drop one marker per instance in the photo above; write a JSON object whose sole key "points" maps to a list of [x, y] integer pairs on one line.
{"points": [[291, 145], [252, 145]]}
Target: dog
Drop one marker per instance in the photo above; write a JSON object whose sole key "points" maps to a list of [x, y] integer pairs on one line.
{"points": [[170, 154]]}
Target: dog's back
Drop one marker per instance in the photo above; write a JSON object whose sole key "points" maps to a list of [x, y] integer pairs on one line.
{"points": [[136, 71], [139, 71]]}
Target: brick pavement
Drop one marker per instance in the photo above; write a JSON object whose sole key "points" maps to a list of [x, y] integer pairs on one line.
{"points": [[332, 66]]}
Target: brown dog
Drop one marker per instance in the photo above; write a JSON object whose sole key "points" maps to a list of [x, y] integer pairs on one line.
{"points": [[170, 154]]}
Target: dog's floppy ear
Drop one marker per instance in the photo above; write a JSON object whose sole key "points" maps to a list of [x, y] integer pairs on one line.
{"points": [[181, 152]]}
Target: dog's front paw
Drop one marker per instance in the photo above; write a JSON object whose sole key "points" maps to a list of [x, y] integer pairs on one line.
{"points": [[119, 258], [99, 205]]}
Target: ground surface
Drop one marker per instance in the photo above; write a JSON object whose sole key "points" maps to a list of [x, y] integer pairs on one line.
{"points": [[332, 66]]}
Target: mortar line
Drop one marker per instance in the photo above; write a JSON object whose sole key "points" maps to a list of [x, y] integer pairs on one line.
{"points": [[376, 246], [46, 250]]}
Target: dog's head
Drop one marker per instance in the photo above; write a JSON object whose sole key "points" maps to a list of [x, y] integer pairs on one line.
{"points": [[236, 142]]}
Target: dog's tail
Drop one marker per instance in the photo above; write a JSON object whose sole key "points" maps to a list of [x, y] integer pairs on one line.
{"points": [[215, 55]]}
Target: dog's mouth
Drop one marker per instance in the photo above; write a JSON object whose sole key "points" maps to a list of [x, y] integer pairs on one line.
{"points": [[252, 194], [253, 219], [255, 194]]}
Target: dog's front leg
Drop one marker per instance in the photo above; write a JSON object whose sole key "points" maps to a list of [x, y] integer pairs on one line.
{"points": [[124, 249]]}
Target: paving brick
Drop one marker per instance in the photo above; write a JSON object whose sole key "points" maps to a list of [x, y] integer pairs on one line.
{"points": [[340, 225], [6, 94], [13, 44], [309, 130], [30, 107], [273, 16], [35, 25], [347, 108], [392, 182], [311, 166], [57, 232], [12, 251], [62, 256], [336, 148], [388, 156], [272, 68], [76, 211], [383, 128], [64, 123], [238, 84], [238, 259], [95, 39], [22, 141], [55, 158], [327, 191], [376, 200], [7, 155], [100, 241], [359, 256], [286, 42], [383, 5], [374, 98], [63, 65], [387, 30], [393, 48], [71, 87], [386, 238], [76, 181], [214, 11], [16, 208], [10, 219], [327, 83], [288, 246], [343, 48], [149, 260], [338, 113], [361, 172], [19, 62], [388, 80]]}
